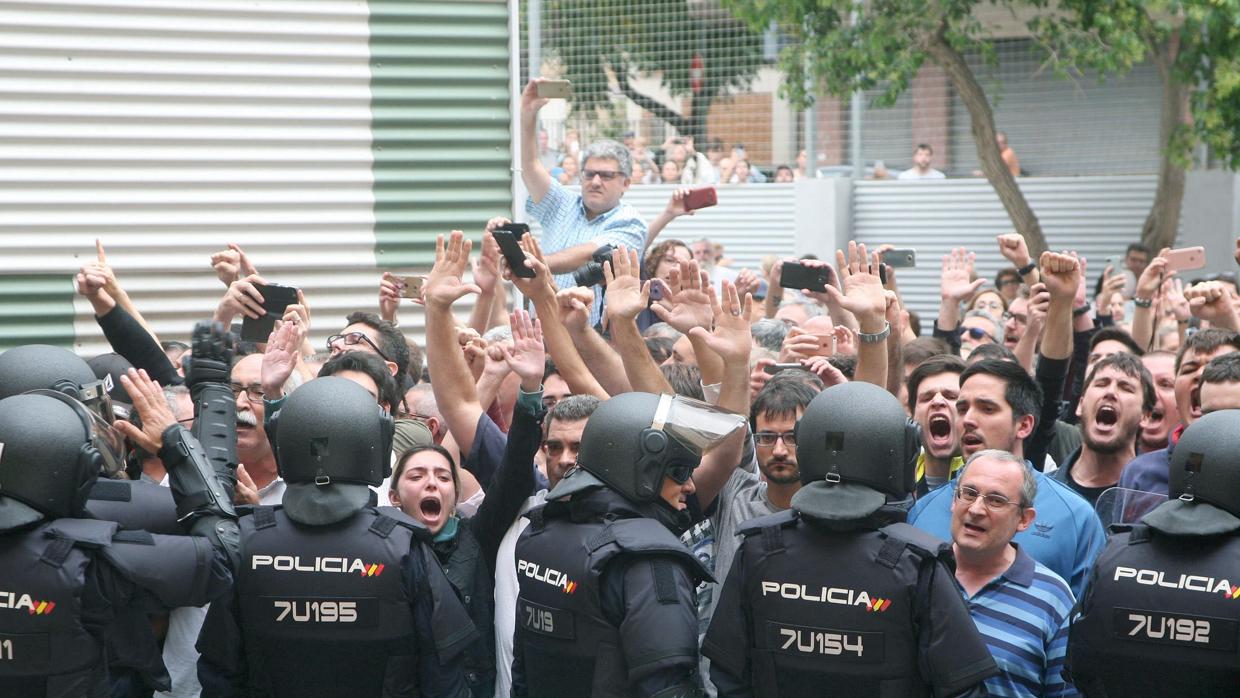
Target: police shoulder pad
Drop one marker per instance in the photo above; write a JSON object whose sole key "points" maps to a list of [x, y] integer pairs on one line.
{"points": [[916, 539], [642, 535], [784, 519], [387, 518], [85, 533]]}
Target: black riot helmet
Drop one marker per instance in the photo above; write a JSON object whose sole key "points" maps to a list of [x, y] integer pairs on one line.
{"points": [[51, 452], [333, 441], [633, 440], [856, 448], [43, 367], [1205, 470]]}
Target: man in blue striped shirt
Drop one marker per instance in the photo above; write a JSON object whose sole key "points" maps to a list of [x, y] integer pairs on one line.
{"points": [[1019, 606], [575, 225]]}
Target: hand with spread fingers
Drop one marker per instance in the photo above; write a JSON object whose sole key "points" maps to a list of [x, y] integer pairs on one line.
{"points": [[731, 337], [863, 295], [688, 304], [280, 358], [1177, 304], [956, 282], [486, 267], [627, 297], [444, 285], [152, 408], [527, 357]]}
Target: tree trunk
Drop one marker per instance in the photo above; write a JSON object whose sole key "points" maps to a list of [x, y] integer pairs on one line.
{"points": [[982, 120], [654, 106], [1163, 221]]}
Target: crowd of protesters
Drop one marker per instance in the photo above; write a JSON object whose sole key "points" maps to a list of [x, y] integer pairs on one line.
{"points": [[1039, 390]]}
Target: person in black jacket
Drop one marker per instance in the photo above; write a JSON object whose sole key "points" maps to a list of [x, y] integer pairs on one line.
{"points": [[426, 484]]}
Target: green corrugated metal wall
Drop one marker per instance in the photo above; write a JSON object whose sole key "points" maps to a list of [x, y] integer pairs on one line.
{"points": [[439, 86]]}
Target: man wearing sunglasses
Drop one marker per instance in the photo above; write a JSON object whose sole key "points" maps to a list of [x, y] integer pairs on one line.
{"points": [[575, 225], [1019, 606]]}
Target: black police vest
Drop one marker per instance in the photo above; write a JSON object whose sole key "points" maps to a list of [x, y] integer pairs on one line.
{"points": [[44, 648], [474, 584], [1161, 616], [570, 648], [325, 609], [835, 606]]}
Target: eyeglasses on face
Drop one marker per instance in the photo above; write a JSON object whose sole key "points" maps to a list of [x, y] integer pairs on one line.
{"points": [[253, 392], [767, 438], [1022, 319], [353, 338], [993, 502], [605, 175], [975, 333]]}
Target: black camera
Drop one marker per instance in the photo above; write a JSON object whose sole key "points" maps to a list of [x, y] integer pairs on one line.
{"points": [[591, 273]]}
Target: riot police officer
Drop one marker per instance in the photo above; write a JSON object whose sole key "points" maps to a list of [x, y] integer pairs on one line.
{"points": [[134, 504], [607, 591], [838, 588], [330, 594], [1159, 614], [71, 583]]}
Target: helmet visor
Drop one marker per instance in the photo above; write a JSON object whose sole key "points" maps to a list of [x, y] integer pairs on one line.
{"points": [[694, 424], [109, 442]]}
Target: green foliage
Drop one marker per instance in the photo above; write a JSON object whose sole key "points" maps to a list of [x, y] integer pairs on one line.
{"points": [[596, 39], [1195, 44]]}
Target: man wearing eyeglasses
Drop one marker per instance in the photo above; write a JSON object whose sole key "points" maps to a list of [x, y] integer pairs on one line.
{"points": [[575, 225], [1020, 607]]}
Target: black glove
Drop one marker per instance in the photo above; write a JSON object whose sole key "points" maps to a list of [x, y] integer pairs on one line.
{"points": [[211, 358]]}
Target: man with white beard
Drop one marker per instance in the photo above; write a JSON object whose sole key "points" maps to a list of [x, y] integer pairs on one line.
{"points": [[257, 476]]}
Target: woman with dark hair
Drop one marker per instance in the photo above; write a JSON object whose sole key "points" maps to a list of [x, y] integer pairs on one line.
{"points": [[426, 486]]}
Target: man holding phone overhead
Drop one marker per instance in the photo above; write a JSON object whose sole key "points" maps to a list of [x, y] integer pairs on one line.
{"points": [[576, 225]]}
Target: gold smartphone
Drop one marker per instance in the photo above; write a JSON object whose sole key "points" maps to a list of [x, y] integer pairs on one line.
{"points": [[555, 89]]}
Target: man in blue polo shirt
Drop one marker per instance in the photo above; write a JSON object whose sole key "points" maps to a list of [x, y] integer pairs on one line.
{"points": [[1019, 606], [575, 225]]}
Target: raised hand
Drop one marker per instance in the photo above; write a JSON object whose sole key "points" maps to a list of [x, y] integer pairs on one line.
{"points": [[1177, 304], [575, 305], [527, 356], [486, 266], [1155, 272], [626, 296], [863, 295], [822, 367], [232, 264], [540, 285], [688, 304], [1014, 249], [1212, 302], [676, 204], [1111, 285], [746, 282], [1039, 305], [956, 281], [242, 298], [530, 101], [799, 344], [1061, 273], [443, 285], [280, 359], [731, 338], [152, 408], [390, 287]]}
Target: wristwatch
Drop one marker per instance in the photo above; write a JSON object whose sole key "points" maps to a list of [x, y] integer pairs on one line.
{"points": [[876, 337]]}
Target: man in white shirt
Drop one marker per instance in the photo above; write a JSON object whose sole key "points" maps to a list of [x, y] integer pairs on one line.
{"points": [[921, 168]]}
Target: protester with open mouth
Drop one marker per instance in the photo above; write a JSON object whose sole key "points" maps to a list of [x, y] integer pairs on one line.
{"points": [[426, 485], [1119, 394], [933, 388]]}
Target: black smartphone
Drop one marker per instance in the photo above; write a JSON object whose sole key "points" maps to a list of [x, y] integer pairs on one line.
{"points": [[900, 259], [276, 298], [517, 229], [508, 246], [798, 276]]}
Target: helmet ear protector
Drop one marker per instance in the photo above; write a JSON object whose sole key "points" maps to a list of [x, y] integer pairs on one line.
{"points": [[102, 453]]}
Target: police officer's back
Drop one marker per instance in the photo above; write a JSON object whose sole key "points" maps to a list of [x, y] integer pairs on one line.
{"points": [[333, 597], [70, 583], [838, 596], [1160, 615], [606, 604]]}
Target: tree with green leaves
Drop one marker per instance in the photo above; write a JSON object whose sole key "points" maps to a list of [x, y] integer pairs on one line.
{"points": [[1195, 47], [882, 47], [701, 55]]}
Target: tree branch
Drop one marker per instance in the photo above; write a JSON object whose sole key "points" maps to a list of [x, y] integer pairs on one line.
{"points": [[650, 104]]}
